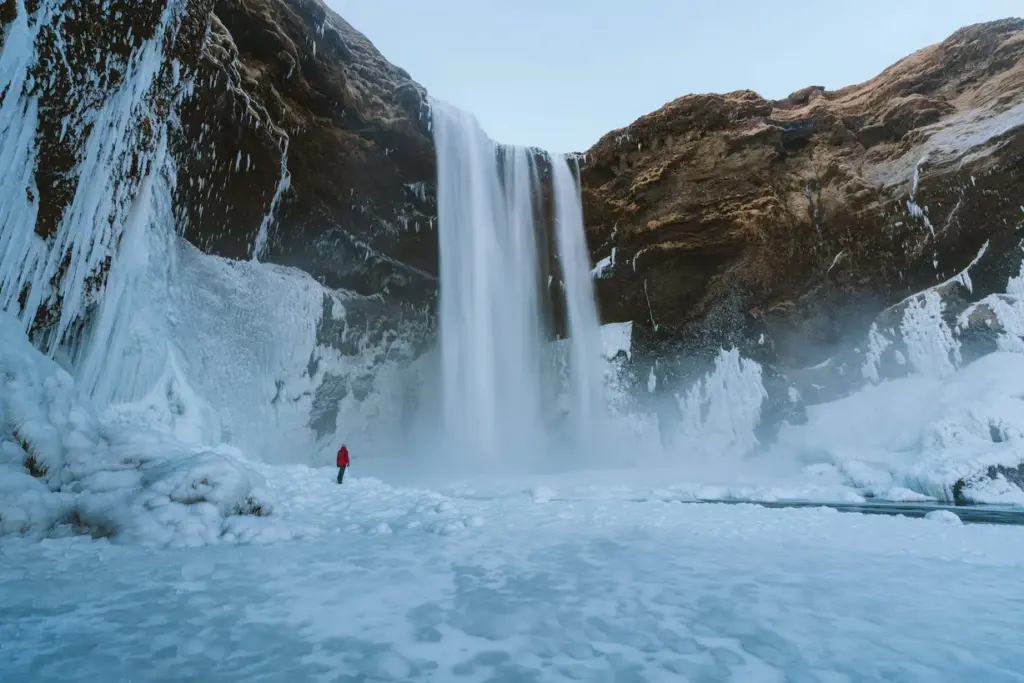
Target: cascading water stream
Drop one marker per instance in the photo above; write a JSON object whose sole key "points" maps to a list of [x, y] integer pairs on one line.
{"points": [[586, 386], [495, 361], [490, 326]]}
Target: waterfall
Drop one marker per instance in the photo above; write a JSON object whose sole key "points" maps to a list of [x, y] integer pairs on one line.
{"points": [[489, 309], [585, 388], [495, 360]]}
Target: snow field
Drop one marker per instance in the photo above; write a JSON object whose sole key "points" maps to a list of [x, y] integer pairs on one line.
{"points": [[571, 575], [922, 434], [539, 589]]}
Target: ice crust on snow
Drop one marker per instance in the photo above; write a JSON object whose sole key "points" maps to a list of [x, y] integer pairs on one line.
{"points": [[945, 517], [595, 589]]}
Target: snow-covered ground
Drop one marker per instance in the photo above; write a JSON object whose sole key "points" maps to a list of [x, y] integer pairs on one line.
{"points": [[213, 566], [393, 583], [919, 435]]}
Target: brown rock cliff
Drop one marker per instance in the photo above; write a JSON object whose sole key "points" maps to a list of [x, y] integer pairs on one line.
{"points": [[783, 227], [293, 140]]}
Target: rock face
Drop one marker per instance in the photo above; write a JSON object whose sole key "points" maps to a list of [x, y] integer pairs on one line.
{"points": [[293, 141], [784, 227], [252, 129], [71, 68], [302, 145]]}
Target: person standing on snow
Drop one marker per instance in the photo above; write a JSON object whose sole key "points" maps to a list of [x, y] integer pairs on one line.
{"points": [[343, 462]]}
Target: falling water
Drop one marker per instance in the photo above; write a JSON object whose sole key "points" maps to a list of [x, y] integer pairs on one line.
{"points": [[490, 324], [494, 353], [585, 388]]}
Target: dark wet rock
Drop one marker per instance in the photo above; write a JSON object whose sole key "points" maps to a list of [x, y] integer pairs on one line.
{"points": [[1012, 476]]}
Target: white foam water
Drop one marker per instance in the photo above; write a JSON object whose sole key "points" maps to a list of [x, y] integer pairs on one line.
{"points": [[496, 375]]}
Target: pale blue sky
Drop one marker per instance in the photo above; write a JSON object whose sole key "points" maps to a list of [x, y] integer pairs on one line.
{"points": [[560, 73]]}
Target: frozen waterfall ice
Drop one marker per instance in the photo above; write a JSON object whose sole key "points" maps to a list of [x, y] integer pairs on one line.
{"points": [[153, 330], [496, 370]]}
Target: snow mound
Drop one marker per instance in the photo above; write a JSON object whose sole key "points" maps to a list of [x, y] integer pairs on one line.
{"points": [[944, 517], [953, 437], [543, 494], [67, 470]]}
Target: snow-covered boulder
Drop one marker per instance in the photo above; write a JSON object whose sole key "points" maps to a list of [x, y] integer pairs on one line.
{"points": [[64, 469], [957, 437]]}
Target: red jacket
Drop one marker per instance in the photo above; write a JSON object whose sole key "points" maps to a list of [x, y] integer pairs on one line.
{"points": [[343, 457]]}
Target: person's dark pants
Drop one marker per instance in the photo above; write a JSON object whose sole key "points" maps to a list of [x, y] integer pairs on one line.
{"points": [[341, 474]]}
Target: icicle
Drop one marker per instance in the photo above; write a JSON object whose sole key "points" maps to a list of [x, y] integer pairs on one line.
{"points": [[721, 411], [92, 223], [932, 348], [283, 185]]}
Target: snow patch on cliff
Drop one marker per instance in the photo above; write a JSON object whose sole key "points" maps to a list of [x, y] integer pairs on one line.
{"points": [[721, 411]]}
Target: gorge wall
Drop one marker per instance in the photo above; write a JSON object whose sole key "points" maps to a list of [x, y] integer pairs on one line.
{"points": [[294, 141], [784, 228], [232, 195], [288, 92], [284, 138]]}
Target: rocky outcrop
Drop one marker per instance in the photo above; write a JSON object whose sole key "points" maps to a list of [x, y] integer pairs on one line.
{"points": [[785, 227], [301, 145], [254, 129], [292, 139]]}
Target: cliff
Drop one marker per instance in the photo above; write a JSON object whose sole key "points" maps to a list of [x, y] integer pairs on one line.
{"points": [[224, 207], [785, 227], [292, 105], [293, 141]]}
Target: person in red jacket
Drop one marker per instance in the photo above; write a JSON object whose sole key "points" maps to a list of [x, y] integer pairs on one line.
{"points": [[343, 462]]}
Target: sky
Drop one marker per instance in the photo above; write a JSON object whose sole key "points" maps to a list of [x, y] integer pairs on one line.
{"points": [[559, 74]]}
